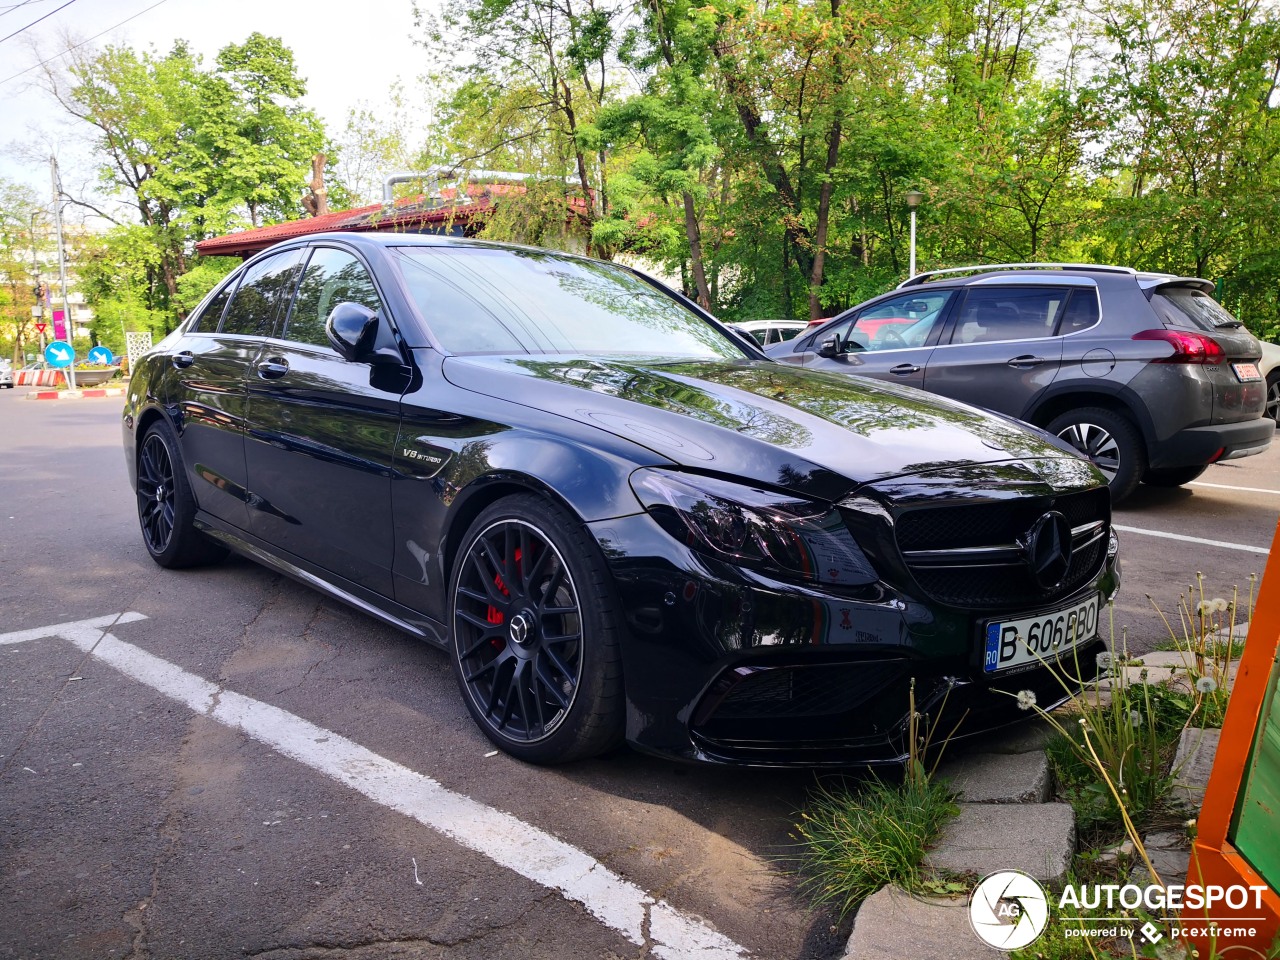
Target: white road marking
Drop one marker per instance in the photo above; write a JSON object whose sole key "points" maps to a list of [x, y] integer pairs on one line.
{"points": [[1226, 486], [1179, 536], [530, 852]]}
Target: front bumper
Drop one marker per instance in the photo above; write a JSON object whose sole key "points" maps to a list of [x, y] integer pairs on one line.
{"points": [[725, 666]]}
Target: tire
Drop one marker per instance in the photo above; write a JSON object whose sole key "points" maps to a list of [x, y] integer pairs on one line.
{"points": [[166, 506], [1273, 396], [1110, 441], [1172, 476], [536, 645]]}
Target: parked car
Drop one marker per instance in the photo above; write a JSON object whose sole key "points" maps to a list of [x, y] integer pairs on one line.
{"points": [[6, 374], [1270, 368], [769, 332], [710, 555], [1144, 373]]}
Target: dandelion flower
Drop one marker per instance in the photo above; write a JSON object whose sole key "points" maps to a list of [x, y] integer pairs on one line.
{"points": [[1204, 608], [1026, 699], [1135, 718], [1220, 605], [1206, 684], [1104, 661], [1142, 675]]}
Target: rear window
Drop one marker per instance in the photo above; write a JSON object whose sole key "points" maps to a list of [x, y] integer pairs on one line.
{"points": [[1189, 308]]}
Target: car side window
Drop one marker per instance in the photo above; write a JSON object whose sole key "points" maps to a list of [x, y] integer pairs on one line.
{"points": [[213, 310], [993, 314], [1081, 312], [894, 324], [331, 277], [262, 291]]}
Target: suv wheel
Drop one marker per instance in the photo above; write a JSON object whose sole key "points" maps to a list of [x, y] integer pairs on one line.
{"points": [[1110, 442], [1273, 395]]}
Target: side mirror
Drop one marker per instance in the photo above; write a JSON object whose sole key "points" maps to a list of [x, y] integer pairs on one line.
{"points": [[361, 335], [830, 347]]}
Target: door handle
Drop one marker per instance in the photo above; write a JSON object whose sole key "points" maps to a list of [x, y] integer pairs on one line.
{"points": [[904, 369], [273, 368], [1025, 361], [183, 360]]}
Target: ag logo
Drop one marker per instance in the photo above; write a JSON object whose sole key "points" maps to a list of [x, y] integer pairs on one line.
{"points": [[1008, 910]]}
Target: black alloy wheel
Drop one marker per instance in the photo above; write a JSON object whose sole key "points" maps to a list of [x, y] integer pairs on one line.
{"points": [[166, 508], [535, 648], [1273, 396], [155, 493]]}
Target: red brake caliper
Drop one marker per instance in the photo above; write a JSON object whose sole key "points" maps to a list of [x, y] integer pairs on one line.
{"points": [[494, 615]]}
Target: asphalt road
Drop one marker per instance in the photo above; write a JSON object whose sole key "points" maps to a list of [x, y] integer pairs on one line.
{"points": [[132, 825]]}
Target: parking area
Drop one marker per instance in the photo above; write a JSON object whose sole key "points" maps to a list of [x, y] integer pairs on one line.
{"points": [[243, 767]]}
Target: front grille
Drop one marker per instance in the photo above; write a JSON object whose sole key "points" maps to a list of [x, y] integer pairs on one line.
{"points": [[1004, 579]]}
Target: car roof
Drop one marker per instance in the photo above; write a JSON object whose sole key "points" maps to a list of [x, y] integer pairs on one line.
{"points": [[1063, 273]]}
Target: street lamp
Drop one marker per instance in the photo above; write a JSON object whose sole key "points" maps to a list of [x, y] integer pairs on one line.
{"points": [[913, 200]]}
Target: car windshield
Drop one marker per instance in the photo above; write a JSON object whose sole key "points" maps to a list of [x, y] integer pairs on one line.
{"points": [[480, 300]]}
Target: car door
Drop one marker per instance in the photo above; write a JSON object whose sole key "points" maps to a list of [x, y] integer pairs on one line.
{"points": [[208, 383], [889, 339], [1000, 350], [321, 432]]}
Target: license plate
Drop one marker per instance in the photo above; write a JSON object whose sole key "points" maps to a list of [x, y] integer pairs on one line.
{"points": [[1044, 637], [1246, 372]]}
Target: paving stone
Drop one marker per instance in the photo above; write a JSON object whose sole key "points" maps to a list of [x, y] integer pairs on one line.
{"points": [[1023, 737], [892, 925], [1037, 838], [1191, 765], [1000, 777]]}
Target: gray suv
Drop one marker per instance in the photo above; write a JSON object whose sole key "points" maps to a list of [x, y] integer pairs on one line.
{"points": [[1144, 373]]}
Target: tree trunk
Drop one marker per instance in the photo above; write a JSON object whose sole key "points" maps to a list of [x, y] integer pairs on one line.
{"points": [[824, 218], [695, 251]]}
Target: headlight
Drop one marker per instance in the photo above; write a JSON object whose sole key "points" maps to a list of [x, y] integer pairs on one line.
{"points": [[785, 535]]}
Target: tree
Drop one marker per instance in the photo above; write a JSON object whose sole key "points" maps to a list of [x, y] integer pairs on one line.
{"points": [[18, 207], [1192, 144], [194, 152], [545, 62]]}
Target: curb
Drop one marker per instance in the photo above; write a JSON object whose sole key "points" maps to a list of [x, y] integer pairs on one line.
{"points": [[75, 394]]}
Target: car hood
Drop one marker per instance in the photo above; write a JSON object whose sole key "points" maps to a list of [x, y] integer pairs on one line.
{"points": [[816, 433]]}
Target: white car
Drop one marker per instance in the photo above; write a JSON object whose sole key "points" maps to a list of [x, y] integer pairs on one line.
{"points": [[768, 332], [6, 375], [1270, 368]]}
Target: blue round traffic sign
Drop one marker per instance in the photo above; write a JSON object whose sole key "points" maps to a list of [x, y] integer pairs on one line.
{"points": [[59, 354], [102, 355]]}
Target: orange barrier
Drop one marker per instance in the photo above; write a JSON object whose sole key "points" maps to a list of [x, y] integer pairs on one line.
{"points": [[1233, 844]]}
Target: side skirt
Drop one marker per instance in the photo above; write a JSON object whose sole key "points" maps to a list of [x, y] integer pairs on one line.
{"points": [[375, 605]]}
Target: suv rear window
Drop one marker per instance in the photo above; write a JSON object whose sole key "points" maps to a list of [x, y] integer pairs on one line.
{"points": [[1190, 308]]}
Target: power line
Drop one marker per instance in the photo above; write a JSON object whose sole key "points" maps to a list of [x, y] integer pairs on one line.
{"points": [[34, 22], [58, 56], [14, 6]]}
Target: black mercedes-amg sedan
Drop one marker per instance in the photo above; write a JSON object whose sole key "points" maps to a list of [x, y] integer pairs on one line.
{"points": [[620, 520]]}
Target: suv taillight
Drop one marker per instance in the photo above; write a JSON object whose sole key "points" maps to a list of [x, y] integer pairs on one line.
{"points": [[1187, 347]]}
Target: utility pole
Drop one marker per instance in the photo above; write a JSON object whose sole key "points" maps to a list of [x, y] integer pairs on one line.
{"points": [[62, 264], [39, 286]]}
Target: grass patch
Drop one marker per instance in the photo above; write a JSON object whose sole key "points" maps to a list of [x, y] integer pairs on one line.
{"points": [[854, 843]]}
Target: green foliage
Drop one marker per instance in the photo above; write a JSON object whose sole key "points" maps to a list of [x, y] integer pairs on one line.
{"points": [[854, 843], [196, 151]]}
